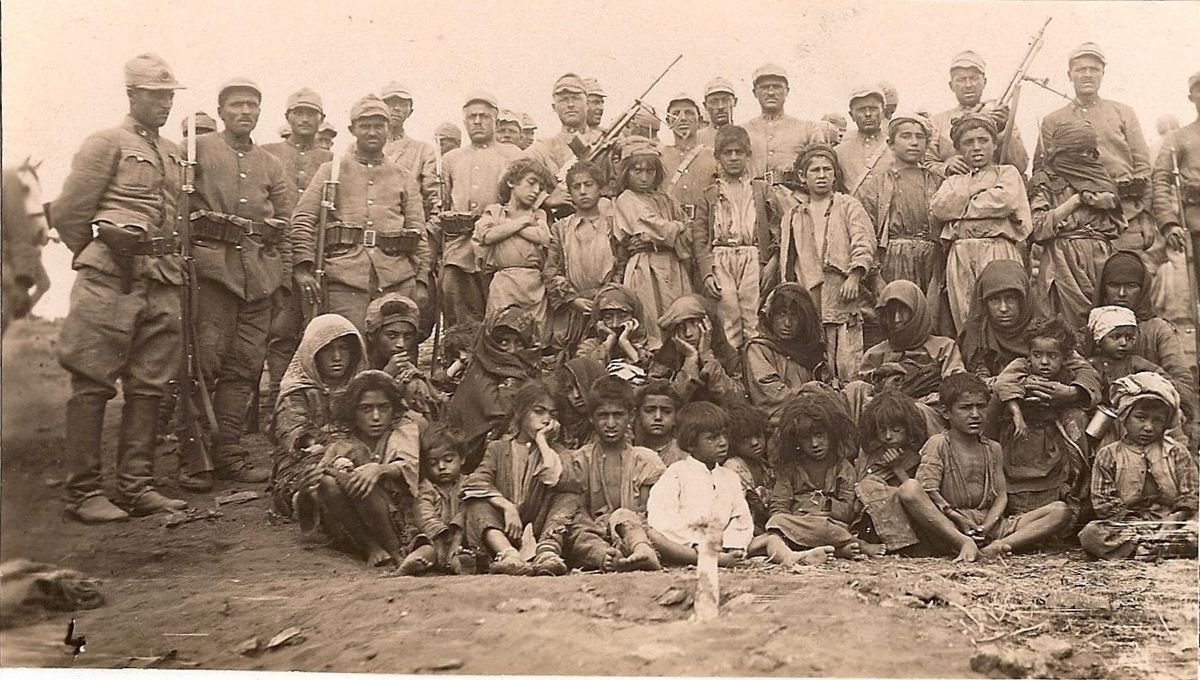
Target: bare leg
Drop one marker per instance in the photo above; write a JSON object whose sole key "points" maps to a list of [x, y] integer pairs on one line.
{"points": [[1035, 527], [342, 511], [374, 513], [419, 561], [672, 553], [508, 560], [926, 515], [638, 548]]}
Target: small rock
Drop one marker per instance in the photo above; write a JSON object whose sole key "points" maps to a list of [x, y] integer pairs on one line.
{"points": [[443, 665], [237, 497], [653, 651], [372, 654], [522, 606], [391, 600], [249, 647], [763, 662], [1007, 663], [1055, 647], [286, 638], [743, 600], [673, 595]]}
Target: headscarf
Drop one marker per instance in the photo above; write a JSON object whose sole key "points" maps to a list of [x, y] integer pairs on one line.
{"points": [[391, 308], [1126, 267], [617, 296], [494, 360], [816, 150], [577, 427], [808, 348], [1106, 319], [970, 121], [1131, 389], [978, 333], [1071, 154], [695, 307], [682, 309], [918, 329], [584, 371], [302, 373]]}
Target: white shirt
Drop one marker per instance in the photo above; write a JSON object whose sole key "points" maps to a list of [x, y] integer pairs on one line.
{"points": [[688, 493]]}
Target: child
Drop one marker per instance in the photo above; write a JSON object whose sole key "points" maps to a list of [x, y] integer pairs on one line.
{"points": [[699, 363], [391, 326], [452, 362], [654, 427], [698, 490], [734, 235], [368, 473], [1043, 436], [1144, 487], [812, 500], [907, 322], [789, 350], [985, 213], [620, 328], [891, 433], [616, 478], [962, 490], [1112, 335], [515, 508], [748, 448], [512, 238], [827, 245], [580, 258], [439, 507], [575, 380], [330, 353], [652, 242]]}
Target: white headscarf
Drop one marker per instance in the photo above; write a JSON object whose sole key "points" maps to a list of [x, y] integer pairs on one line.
{"points": [[1104, 320], [1128, 391]]}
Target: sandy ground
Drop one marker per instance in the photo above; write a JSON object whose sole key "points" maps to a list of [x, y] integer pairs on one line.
{"points": [[194, 595]]}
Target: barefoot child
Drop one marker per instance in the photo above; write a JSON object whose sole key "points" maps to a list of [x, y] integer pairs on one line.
{"points": [[654, 427], [748, 458], [812, 501], [515, 508], [616, 478], [891, 433], [1144, 487], [512, 237], [962, 474], [698, 490], [439, 546]]}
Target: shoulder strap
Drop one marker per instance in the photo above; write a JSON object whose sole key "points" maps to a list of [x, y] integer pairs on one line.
{"points": [[683, 166]]}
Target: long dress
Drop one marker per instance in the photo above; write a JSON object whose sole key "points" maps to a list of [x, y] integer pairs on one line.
{"points": [[654, 246]]}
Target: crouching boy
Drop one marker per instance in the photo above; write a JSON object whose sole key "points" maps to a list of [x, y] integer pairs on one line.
{"points": [[439, 507]]}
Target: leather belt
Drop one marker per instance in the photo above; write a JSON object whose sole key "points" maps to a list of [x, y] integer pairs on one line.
{"points": [[402, 242], [157, 246], [232, 232]]}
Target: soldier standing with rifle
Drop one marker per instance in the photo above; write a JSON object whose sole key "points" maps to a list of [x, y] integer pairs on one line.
{"points": [[558, 152], [117, 213], [242, 250]]}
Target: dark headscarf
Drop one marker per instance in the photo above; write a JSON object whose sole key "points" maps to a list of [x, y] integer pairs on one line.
{"points": [[1126, 267], [1071, 154], [918, 329], [584, 371], [808, 349], [816, 150], [617, 296], [577, 427], [995, 345], [695, 307], [496, 361]]}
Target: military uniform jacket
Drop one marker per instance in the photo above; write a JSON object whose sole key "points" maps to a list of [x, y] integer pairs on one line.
{"points": [[377, 195], [126, 175], [419, 160], [1184, 143], [248, 183], [300, 163]]}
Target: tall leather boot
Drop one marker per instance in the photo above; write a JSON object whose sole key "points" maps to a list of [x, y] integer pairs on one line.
{"points": [[231, 460], [135, 459], [85, 428]]}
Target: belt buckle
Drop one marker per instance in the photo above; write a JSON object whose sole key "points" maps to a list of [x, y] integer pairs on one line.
{"points": [[689, 209], [368, 238], [769, 176]]}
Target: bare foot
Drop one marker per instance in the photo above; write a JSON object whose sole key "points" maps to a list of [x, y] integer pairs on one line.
{"points": [[643, 558], [510, 563], [415, 565], [378, 557], [995, 550], [969, 552], [813, 557], [850, 551], [873, 549]]}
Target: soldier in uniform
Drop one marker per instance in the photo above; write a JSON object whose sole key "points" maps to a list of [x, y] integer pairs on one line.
{"points": [[690, 165], [866, 148], [325, 136], [448, 137], [416, 157], [243, 263], [375, 239], [719, 100], [1123, 150], [472, 176], [595, 105], [301, 155], [204, 124], [776, 137], [508, 129], [125, 305], [528, 130], [968, 78], [570, 104], [1181, 148]]}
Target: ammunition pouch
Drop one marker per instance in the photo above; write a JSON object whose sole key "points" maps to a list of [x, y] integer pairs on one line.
{"points": [[458, 224], [1190, 193], [393, 244], [211, 226], [126, 242]]}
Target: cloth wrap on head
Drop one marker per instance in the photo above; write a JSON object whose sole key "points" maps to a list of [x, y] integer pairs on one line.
{"points": [[959, 126], [389, 309], [1128, 391], [1106, 319], [919, 327], [682, 309], [900, 118]]}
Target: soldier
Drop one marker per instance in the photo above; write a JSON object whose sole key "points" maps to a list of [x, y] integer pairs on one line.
{"points": [[1123, 150], [570, 104], [719, 100], [472, 176], [125, 304], [528, 128], [243, 262], [891, 99], [968, 78], [690, 165], [448, 137], [326, 135], [508, 128], [595, 105], [1181, 149], [204, 124], [377, 244], [415, 156], [866, 148], [300, 155], [838, 121], [778, 138]]}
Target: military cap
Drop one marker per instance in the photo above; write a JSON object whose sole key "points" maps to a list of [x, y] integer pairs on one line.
{"points": [[369, 105], [1088, 49], [683, 97], [148, 71], [569, 82], [481, 96], [239, 83], [327, 129], [391, 308], [447, 131], [285, 131], [770, 70], [637, 145], [508, 116], [527, 122], [968, 59], [718, 84], [395, 89], [891, 96], [592, 86], [203, 122], [305, 96], [1193, 79], [835, 119], [864, 91]]}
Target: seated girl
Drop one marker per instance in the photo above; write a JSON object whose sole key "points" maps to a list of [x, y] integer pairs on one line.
{"points": [[620, 328], [699, 363], [908, 324], [748, 458], [788, 351], [891, 433]]}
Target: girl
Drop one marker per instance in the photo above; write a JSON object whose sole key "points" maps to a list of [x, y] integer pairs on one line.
{"points": [[788, 351], [828, 246], [653, 245], [620, 328], [330, 353], [699, 363], [891, 431], [985, 213], [994, 334], [504, 358], [905, 317], [1111, 335], [748, 458], [512, 239], [515, 508], [812, 501], [391, 326], [366, 479], [575, 379]]}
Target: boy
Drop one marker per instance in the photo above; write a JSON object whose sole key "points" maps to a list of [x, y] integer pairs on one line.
{"points": [[616, 478], [654, 428], [962, 473], [748, 457], [698, 490], [735, 234], [439, 507], [1143, 486], [508, 128]]}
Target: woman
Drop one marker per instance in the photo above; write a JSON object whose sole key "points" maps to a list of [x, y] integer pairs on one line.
{"points": [[621, 328], [906, 320], [789, 350], [994, 333]]}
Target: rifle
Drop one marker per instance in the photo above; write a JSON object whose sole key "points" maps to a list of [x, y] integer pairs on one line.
{"points": [[193, 448], [328, 200], [1189, 253], [443, 204], [1012, 93]]}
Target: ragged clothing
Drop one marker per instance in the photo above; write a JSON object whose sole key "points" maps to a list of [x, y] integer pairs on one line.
{"points": [[820, 251], [472, 178], [966, 486], [811, 513], [689, 493], [1127, 479], [555, 153], [611, 483], [653, 250], [877, 493], [941, 147], [898, 202], [439, 509], [579, 261], [515, 263]]}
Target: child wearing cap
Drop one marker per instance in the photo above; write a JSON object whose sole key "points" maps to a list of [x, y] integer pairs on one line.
{"points": [[695, 357], [508, 128], [391, 329]]}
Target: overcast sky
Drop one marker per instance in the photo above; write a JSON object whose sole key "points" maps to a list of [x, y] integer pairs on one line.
{"points": [[62, 70]]}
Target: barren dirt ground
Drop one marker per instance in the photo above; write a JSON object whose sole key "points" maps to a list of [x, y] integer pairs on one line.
{"points": [[193, 595]]}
